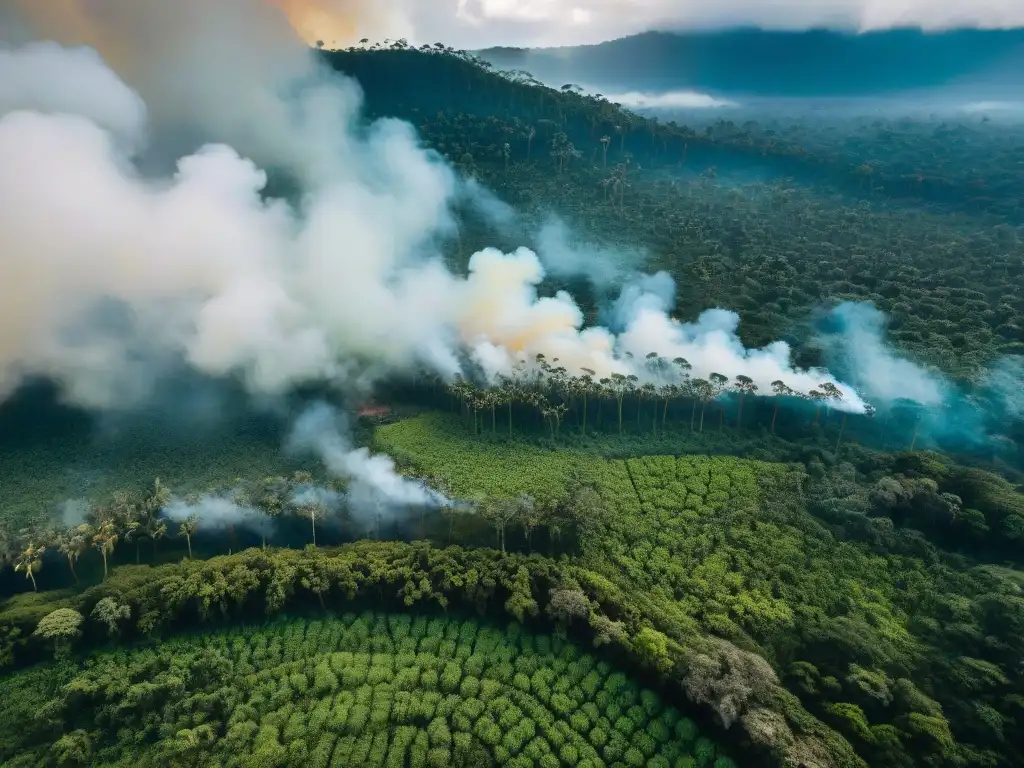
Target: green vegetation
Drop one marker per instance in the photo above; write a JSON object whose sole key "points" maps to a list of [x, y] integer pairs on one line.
{"points": [[39, 471], [773, 250], [725, 547], [775, 573], [373, 689]]}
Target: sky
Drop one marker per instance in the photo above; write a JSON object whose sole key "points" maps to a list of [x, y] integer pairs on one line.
{"points": [[481, 23]]}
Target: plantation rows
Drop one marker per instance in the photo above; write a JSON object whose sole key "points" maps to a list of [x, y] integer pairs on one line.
{"points": [[688, 526], [372, 689], [846, 614]]}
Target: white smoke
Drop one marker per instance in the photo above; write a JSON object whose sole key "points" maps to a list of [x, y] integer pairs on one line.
{"points": [[109, 277], [505, 323], [670, 100], [860, 347], [73, 512], [372, 478], [217, 513], [564, 255], [48, 78]]}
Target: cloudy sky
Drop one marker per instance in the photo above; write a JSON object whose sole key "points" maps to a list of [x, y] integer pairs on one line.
{"points": [[480, 23]]}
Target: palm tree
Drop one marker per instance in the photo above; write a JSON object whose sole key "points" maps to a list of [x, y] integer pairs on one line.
{"points": [[869, 411], [187, 528], [816, 397], [831, 393], [310, 510], [105, 539], [530, 516], [619, 385], [684, 388], [718, 386], [647, 392], [744, 385], [30, 560], [510, 392], [918, 416], [586, 386], [702, 391], [666, 392], [155, 530], [158, 499], [780, 389], [72, 543]]}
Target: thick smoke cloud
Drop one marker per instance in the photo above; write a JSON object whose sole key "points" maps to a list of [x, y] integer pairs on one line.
{"points": [[110, 277], [505, 323], [48, 78]]}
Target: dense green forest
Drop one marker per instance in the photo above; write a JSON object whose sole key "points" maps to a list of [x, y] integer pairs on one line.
{"points": [[800, 586]]}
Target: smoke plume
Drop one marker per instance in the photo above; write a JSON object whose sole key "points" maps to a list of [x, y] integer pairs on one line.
{"points": [[112, 274], [217, 513], [857, 345], [343, 22], [564, 255], [373, 481], [933, 407]]}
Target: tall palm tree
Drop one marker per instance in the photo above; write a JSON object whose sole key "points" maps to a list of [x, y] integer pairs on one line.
{"points": [[719, 383], [648, 392], [510, 393], [72, 543], [105, 538], [311, 510], [817, 397], [703, 391], [744, 385], [619, 386], [30, 560], [187, 529], [586, 386], [780, 389]]}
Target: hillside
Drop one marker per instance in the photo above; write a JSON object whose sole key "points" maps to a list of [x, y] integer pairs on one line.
{"points": [[671, 572], [753, 61]]}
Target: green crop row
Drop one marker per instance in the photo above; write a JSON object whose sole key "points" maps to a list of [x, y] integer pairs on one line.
{"points": [[368, 689]]}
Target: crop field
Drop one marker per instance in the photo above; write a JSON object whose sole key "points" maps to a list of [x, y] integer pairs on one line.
{"points": [[367, 689]]}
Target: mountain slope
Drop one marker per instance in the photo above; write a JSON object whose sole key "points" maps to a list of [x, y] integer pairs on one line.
{"points": [[812, 63]]}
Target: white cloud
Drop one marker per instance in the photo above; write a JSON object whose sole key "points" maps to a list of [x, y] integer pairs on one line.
{"points": [[481, 23], [670, 100]]}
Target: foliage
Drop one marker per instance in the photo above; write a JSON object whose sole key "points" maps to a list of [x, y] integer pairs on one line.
{"points": [[408, 576], [832, 605], [368, 689]]}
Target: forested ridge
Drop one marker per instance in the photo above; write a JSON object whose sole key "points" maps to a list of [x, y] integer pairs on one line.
{"points": [[801, 586], [772, 251]]}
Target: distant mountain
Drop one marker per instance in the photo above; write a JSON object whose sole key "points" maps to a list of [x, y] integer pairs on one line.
{"points": [[757, 62]]}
